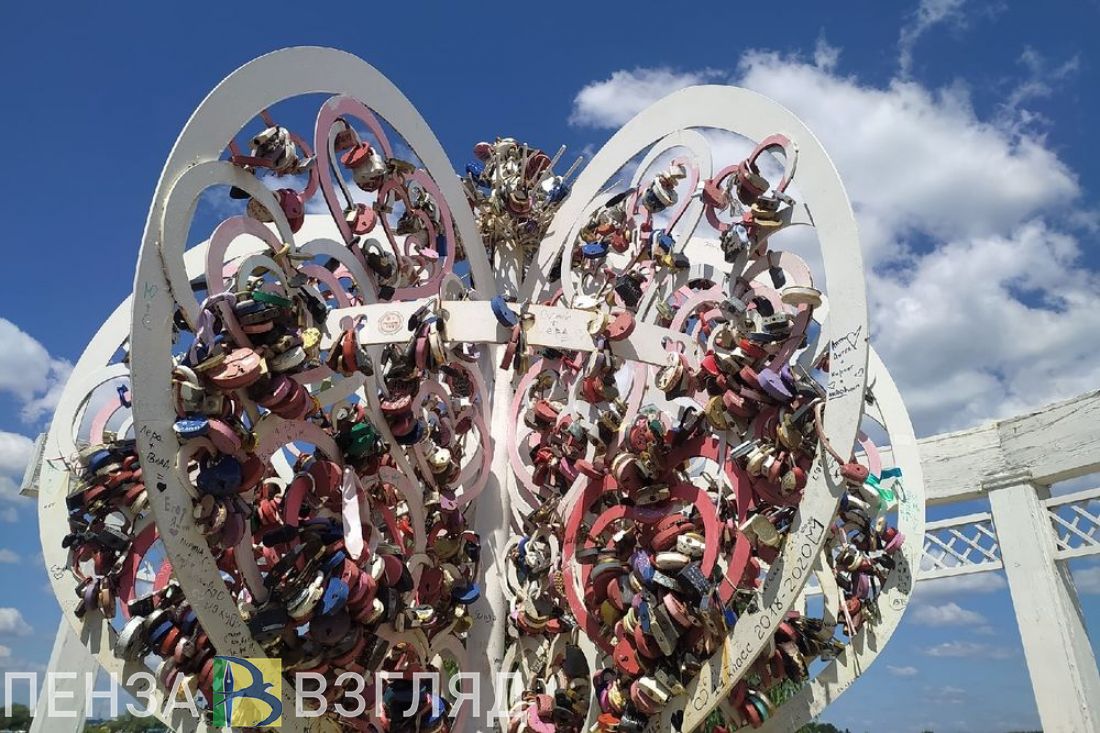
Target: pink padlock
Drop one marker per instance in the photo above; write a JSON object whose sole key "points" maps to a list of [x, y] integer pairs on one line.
{"points": [[362, 219]]}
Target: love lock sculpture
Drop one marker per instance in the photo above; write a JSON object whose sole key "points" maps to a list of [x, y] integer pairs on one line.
{"points": [[509, 422]]}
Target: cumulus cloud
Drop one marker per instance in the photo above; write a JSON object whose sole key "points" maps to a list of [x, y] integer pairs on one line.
{"points": [[902, 671], [1087, 580], [958, 585], [613, 101], [946, 695], [12, 623], [28, 372], [15, 451], [956, 649], [946, 614], [977, 287]]}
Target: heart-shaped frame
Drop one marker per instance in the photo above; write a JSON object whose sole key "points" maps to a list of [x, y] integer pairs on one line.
{"points": [[194, 165]]}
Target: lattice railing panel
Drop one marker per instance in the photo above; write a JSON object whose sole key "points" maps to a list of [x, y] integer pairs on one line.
{"points": [[960, 546], [1075, 519]]}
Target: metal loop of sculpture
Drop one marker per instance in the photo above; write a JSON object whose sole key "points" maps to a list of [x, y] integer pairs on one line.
{"points": [[600, 437]]}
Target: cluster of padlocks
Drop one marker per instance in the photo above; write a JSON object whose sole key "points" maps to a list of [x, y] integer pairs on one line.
{"points": [[332, 408], [680, 483], [514, 192]]}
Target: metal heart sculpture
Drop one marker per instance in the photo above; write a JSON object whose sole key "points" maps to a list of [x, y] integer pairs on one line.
{"points": [[502, 422]]}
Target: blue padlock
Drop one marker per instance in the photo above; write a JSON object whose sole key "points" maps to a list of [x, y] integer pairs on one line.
{"points": [[645, 618], [730, 617], [558, 193], [335, 597], [187, 428], [98, 460], [474, 169], [465, 595], [221, 478], [159, 633], [594, 250], [188, 621], [505, 315], [663, 241], [335, 561]]}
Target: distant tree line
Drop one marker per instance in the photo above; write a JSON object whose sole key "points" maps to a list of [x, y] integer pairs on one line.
{"points": [[20, 721]]}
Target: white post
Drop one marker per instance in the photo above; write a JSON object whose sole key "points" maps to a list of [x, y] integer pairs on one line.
{"points": [[1059, 657], [68, 655]]}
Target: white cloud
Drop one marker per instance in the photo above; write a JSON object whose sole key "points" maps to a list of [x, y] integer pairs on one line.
{"points": [[9, 515], [946, 695], [5, 652], [28, 372], [976, 286], [8, 557], [966, 649], [915, 161], [947, 614], [9, 490], [928, 15], [613, 101], [826, 56], [1087, 580], [12, 623], [958, 585], [1040, 81], [15, 450], [902, 671]]}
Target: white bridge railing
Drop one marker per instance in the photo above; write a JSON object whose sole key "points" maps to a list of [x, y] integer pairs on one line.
{"points": [[1076, 523]]}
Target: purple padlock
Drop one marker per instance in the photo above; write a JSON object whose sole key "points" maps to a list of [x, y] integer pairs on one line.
{"points": [[772, 384]]}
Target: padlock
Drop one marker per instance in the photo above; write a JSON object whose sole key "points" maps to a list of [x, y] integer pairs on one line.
{"points": [[361, 219], [367, 166], [854, 473]]}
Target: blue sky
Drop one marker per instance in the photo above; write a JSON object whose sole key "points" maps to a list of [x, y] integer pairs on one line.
{"points": [[963, 129]]}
